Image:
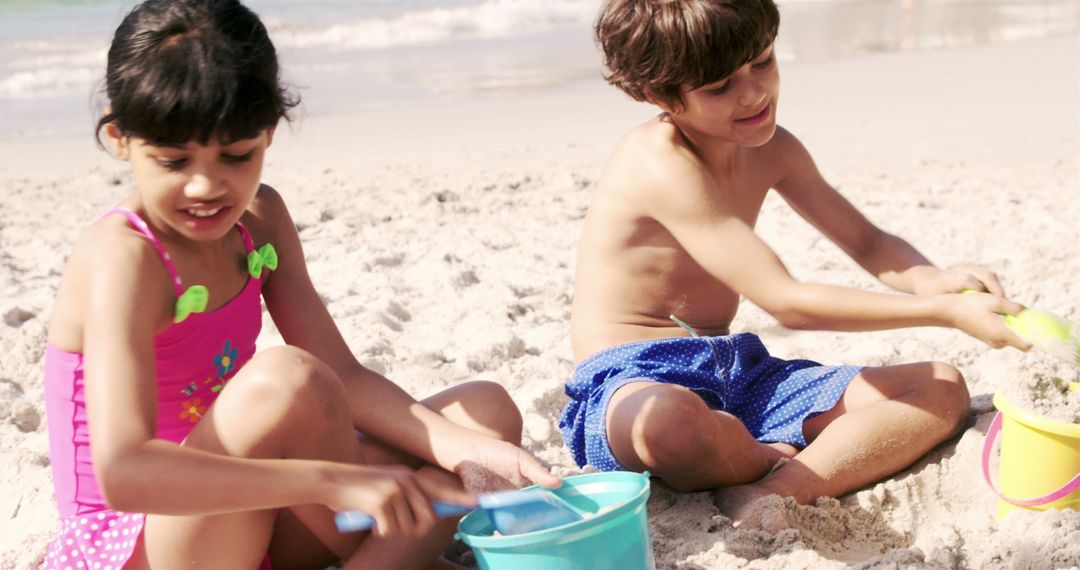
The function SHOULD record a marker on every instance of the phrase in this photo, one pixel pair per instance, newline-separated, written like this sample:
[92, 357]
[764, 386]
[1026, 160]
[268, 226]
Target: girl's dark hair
[183, 70]
[653, 48]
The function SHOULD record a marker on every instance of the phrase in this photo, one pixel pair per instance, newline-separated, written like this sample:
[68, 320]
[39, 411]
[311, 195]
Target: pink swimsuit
[193, 360]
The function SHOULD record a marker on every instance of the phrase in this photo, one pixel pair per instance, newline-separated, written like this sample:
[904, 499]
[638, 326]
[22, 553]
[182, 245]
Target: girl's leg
[482, 406]
[285, 403]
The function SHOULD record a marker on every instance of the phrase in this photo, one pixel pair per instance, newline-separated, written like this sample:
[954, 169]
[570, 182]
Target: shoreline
[589, 116]
[49, 84]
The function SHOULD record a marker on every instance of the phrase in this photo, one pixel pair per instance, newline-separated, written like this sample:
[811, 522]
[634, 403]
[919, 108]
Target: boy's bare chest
[742, 200]
[740, 192]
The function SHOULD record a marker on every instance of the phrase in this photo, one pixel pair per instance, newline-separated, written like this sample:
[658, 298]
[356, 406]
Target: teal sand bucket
[613, 535]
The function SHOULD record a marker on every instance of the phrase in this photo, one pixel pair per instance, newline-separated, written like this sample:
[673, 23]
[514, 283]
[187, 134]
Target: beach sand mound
[440, 275]
[470, 278]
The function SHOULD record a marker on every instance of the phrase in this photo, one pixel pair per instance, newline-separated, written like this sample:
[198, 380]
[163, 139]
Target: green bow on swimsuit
[192, 301]
[195, 298]
[265, 256]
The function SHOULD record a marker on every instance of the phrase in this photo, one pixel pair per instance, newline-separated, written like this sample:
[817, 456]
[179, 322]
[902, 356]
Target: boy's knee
[951, 384]
[949, 393]
[672, 430]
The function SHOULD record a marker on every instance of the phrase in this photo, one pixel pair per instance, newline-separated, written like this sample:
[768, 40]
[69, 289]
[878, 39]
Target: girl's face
[740, 108]
[192, 190]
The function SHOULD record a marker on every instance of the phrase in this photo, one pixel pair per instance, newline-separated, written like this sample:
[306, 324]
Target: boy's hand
[497, 465]
[981, 315]
[958, 278]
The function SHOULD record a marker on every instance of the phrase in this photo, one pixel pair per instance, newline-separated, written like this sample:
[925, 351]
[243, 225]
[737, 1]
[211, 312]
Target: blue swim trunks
[734, 373]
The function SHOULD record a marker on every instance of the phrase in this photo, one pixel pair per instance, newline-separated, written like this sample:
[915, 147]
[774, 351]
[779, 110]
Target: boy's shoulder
[784, 149]
[656, 156]
[656, 143]
[652, 156]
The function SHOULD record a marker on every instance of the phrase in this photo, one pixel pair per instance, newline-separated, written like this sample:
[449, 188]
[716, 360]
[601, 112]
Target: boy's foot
[786, 449]
[749, 506]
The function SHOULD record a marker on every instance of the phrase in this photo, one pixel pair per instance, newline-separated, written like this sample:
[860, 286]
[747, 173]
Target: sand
[442, 238]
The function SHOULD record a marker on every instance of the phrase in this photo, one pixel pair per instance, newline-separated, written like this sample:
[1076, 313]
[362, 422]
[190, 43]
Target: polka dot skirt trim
[95, 541]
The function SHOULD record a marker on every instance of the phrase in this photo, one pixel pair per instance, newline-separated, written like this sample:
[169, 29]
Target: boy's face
[740, 108]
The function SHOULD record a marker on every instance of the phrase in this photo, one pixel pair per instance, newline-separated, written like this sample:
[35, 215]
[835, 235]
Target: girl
[173, 444]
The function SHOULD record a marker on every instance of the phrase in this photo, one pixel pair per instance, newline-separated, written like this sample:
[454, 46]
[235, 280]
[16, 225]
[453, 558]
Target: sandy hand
[500, 466]
[751, 508]
[981, 315]
[958, 278]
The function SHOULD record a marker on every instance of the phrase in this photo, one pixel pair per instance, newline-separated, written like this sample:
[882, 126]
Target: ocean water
[341, 55]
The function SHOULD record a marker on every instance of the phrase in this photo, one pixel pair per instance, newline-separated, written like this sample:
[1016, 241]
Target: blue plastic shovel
[511, 512]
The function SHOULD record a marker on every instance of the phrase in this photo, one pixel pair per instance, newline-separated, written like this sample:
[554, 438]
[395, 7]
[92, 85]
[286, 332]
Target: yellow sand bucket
[1040, 460]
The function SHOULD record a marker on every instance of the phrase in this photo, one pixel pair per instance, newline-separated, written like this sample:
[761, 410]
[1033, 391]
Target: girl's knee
[291, 377]
[490, 406]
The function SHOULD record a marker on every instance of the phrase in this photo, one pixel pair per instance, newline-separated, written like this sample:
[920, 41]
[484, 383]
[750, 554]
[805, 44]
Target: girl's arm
[139, 473]
[890, 258]
[380, 408]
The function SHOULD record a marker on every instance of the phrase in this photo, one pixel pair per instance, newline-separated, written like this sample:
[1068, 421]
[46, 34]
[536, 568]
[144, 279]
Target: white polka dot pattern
[103, 541]
[733, 373]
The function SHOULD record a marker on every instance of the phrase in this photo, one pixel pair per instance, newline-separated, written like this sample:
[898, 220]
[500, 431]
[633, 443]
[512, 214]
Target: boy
[670, 233]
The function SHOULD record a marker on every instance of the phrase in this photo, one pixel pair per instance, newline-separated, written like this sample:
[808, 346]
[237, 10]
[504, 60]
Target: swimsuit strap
[249, 244]
[194, 299]
[160, 247]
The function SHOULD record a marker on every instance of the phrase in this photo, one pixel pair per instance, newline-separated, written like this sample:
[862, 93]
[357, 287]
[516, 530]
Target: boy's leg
[669, 431]
[887, 419]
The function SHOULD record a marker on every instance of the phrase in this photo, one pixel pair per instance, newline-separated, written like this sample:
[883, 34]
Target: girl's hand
[390, 494]
[958, 278]
[441, 485]
[496, 465]
[981, 315]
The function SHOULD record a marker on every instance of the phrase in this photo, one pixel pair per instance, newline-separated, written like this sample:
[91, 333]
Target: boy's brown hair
[652, 48]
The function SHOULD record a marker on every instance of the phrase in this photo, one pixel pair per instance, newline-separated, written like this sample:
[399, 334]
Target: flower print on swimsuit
[226, 360]
[191, 410]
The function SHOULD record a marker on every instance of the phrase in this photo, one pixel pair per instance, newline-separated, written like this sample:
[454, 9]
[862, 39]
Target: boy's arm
[729, 250]
[380, 408]
[888, 257]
